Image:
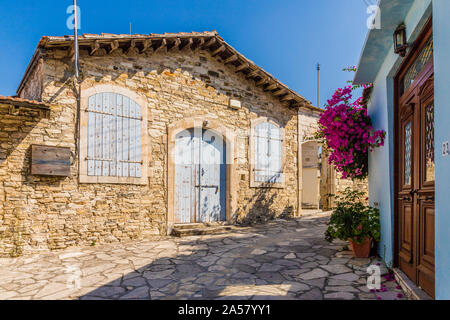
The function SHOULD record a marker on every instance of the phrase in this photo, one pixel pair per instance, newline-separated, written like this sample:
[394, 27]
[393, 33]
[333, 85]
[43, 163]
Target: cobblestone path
[284, 259]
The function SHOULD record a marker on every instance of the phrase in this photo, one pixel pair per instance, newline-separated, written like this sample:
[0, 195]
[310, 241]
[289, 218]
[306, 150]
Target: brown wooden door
[415, 164]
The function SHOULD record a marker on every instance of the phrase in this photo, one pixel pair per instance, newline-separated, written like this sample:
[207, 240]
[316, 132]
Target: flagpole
[318, 85]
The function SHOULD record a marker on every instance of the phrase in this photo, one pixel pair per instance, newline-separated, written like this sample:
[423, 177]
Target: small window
[114, 136]
[268, 145]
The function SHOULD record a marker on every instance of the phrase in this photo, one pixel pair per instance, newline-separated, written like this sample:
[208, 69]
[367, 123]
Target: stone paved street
[279, 260]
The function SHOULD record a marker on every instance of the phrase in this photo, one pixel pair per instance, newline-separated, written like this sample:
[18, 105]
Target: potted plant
[354, 221]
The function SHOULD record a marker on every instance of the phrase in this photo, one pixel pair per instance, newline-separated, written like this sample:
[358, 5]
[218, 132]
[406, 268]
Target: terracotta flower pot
[361, 250]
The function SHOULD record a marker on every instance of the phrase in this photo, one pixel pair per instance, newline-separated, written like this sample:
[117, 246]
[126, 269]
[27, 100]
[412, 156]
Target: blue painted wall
[380, 162]
[441, 32]
[381, 111]
[380, 108]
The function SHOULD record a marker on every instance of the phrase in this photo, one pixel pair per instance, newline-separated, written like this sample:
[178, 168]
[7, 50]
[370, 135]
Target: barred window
[114, 136]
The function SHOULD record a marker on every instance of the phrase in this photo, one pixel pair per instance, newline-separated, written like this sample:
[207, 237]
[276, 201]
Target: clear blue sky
[285, 37]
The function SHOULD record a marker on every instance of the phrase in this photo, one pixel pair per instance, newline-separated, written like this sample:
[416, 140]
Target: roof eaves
[297, 100]
[19, 102]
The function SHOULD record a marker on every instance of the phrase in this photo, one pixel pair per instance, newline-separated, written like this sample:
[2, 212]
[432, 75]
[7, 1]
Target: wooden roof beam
[218, 50]
[262, 82]
[200, 44]
[176, 45]
[279, 92]
[271, 87]
[162, 46]
[132, 45]
[114, 45]
[71, 51]
[242, 67]
[233, 58]
[209, 43]
[188, 44]
[94, 47]
[252, 74]
[287, 97]
[146, 45]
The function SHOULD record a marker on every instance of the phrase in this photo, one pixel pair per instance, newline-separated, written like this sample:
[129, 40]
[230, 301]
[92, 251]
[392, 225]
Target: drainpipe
[75, 12]
[76, 83]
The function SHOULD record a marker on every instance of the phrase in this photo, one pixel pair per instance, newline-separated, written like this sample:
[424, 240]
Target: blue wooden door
[200, 177]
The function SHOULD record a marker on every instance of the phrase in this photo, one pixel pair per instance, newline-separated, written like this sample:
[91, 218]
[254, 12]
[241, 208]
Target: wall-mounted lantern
[400, 44]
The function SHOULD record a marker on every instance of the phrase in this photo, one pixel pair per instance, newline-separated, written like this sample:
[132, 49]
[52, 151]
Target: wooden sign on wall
[50, 161]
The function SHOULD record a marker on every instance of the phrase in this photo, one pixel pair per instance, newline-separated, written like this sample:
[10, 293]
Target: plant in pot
[354, 221]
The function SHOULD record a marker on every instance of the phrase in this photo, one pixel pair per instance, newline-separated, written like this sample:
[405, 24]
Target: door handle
[200, 186]
[427, 198]
[406, 198]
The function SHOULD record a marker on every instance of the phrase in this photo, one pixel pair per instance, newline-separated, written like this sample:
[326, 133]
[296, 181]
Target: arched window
[114, 146]
[268, 153]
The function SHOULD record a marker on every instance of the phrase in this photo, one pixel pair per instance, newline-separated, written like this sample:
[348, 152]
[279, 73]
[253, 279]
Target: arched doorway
[310, 194]
[200, 176]
[202, 124]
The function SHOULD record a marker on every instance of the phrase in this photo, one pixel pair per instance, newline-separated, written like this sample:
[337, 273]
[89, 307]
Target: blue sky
[285, 37]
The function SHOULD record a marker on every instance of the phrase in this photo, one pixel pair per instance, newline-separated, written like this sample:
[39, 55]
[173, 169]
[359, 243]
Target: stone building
[159, 130]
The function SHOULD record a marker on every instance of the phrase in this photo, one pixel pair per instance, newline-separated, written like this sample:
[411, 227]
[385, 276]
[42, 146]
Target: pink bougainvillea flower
[400, 295]
[348, 134]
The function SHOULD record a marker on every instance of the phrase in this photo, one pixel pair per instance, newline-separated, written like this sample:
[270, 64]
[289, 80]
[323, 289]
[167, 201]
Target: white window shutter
[114, 136]
[91, 137]
[268, 153]
[126, 137]
[275, 160]
[261, 154]
[119, 138]
[138, 153]
[132, 146]
[106, 135]
[98, 134]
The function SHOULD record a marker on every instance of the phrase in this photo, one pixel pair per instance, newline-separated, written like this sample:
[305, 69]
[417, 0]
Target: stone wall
[52, 213]
[333, 183]
[343, 184]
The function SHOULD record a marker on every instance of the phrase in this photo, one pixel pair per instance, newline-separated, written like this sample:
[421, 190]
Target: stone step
[202, 230]
[189, 226]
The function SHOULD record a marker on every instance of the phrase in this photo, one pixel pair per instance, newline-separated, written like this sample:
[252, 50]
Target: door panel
[200, 177]
[407, 217]
[212, 177]
[184, 177]
[426, 191]
[407, 231]
[426, 257]
[415, 172]
[415, 195]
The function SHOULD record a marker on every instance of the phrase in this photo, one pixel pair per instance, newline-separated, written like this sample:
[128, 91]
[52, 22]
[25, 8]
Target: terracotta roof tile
[23, 102]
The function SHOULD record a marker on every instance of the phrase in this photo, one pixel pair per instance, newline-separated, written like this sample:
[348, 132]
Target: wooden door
[415, 166]
[200, 177]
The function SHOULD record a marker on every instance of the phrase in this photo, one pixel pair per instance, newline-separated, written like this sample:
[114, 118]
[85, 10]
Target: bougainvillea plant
[346, 131]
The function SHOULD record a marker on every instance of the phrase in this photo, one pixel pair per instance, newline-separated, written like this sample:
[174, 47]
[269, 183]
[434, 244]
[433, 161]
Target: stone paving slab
[283, 259]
